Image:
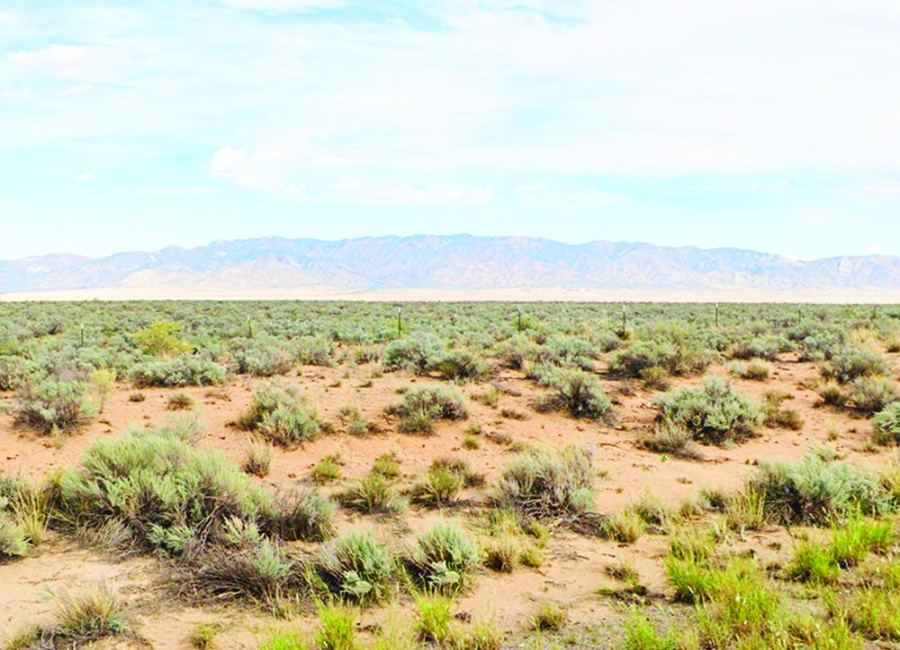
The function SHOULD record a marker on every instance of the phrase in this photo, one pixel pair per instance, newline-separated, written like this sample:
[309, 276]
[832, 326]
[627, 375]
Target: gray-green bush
[713, 412]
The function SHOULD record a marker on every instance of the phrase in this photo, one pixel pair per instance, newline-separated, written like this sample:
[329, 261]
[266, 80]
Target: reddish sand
[574, 568]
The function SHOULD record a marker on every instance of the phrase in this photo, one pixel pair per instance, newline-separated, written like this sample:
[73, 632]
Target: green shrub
[171, 497]
[181, 371]
[356, 567]
[887, 425]
[159, 339]
[373, 494]
[813, 563]
[417, 354]
[262, 357]
[461, 365]
[872, 394]
[326, 470]
[439, 487]
[53, 405]
[713, 412]
[314, 351]
[12, 372]
[578, 393]
[813, 491]
[257, 569]
[424, 404]
[337, 627]
[443, 559]
[851, 362]
[677, 355]
[549, 486]
[13, 542]
[656, 378]
[179, 402]
[300, 515]
[281, 416]
[388, 465]
[434, 618]
[759, 348]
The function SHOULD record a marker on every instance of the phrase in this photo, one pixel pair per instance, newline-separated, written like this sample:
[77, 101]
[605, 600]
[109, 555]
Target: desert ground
[576, 571]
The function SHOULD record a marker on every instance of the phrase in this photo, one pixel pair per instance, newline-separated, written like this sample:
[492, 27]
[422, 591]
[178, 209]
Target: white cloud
[83, 178]
[61, 60]
[355, 192]
[284, 5]
[489, 93]
[177, 191]
[334, 159]
[265, 169]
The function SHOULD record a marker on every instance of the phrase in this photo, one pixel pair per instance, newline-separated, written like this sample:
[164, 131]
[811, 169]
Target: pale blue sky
[137, 125]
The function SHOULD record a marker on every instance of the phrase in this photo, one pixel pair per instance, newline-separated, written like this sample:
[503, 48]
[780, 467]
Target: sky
[136, 125]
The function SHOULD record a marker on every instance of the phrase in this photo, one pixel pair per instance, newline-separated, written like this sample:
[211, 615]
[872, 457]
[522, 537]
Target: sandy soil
[574, 570]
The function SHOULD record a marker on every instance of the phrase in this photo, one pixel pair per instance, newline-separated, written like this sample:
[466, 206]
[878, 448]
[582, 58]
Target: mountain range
[452, 267]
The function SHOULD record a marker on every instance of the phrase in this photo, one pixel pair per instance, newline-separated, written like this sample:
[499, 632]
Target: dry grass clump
[544, 485]
[670, 438]
[81, 620]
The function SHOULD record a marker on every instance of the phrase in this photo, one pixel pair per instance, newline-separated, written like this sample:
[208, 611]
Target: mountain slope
[460, 263]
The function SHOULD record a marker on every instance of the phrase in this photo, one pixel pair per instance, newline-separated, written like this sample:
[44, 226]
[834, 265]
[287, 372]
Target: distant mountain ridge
[460, 264]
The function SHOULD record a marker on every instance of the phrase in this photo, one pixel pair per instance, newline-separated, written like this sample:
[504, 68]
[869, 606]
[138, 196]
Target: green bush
[887, 425]
[314, 351]
[281, 416]
[373, 494]
[439, 487]
[814, 491]
[759, 347]
[872, 394]
[171, 497]
[443, 558]
[461, 365]
[678, 357]
[262, 357]
[300, 515]
[256, 569]
[578, 393]
[356, 567]
[422, 405]
[851, 362]
[550, 486]
[12, 372]
[13, 541]
[181, 371]
[53, 405]
[417, 354]
[713, 412]
[159, 339]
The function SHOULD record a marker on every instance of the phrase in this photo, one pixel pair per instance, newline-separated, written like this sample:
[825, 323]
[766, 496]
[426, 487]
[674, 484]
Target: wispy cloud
[177, 191]
[557, 104]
